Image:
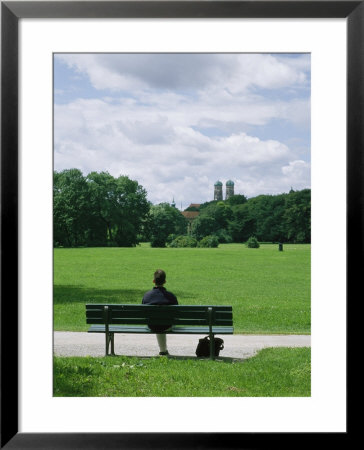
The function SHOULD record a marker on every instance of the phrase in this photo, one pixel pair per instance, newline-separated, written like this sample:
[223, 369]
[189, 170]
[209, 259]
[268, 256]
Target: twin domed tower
[218, 190]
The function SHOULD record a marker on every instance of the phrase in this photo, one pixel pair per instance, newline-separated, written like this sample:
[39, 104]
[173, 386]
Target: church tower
[218, 191]
[229, 189]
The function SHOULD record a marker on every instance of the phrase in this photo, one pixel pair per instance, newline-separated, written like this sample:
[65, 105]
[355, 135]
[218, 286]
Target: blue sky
[177, 123]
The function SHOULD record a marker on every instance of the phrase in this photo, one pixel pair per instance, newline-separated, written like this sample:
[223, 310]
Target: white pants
[162, 342]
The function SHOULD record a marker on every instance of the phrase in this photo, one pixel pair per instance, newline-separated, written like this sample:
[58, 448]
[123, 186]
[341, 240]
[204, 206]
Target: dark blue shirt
[159, 296]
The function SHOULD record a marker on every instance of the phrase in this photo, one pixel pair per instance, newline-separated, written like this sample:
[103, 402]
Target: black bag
[203, 347]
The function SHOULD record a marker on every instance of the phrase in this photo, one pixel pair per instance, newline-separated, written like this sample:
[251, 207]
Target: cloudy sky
[177, 123]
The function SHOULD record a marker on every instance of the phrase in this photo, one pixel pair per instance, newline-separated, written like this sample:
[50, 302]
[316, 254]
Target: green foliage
[252, 242]
[223, 236]
[202, 226]
[273, 372]
[213, 219]
[236, 199]
[165, 220]
[274, 218]
[183, 241]
[97, 210]
[100, 210]
[271, 218]
[297, 215]
[189, 241]
[269, 290]
[170, 239]
[204, 205]
[157, 241]
[209, 241]
[71, 212]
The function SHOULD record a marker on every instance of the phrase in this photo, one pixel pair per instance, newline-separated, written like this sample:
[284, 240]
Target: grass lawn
[269, 290]
[273, 372]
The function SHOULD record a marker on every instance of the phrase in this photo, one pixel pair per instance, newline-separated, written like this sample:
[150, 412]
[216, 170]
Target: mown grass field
[269, 290]
[273, 372]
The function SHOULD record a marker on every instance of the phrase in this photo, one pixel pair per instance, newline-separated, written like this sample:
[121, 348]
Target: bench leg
[211, 334]
[112, 344]
[106, 343]
[109, 339]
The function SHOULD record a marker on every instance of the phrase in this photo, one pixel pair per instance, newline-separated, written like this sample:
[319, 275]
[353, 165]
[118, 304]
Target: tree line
[97, 210]
[269, 218]
[100, 210]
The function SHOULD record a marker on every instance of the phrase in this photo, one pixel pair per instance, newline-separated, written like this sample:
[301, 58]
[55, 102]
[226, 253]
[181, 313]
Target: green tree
[213, 219]
[268, 211]
[243, 223]
[131, 211]
[103, 188]
[165, 220]
[120, 204]
[237, 199]
[202, 226]
[298, 216]
[273, 218]
[71, 211]
[97, 210]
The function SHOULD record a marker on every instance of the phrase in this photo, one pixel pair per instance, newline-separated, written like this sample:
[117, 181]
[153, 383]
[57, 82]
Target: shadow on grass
[66, 294]
[223, 359]
[63, 294]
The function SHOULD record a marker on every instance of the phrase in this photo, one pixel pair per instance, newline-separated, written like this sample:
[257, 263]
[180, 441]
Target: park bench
[185, 319]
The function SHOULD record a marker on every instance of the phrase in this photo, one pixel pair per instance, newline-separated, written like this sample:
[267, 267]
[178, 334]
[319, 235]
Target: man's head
[159, 277]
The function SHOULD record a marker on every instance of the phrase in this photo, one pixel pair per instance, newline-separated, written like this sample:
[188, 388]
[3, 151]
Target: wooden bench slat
[157, 313]
[201, 330]
[121, 314]
[145, 329]
[120, 329]
[161, 321]
[116, 306]
[145, 320]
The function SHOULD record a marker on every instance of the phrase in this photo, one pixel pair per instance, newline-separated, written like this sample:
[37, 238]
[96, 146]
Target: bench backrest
[159, 314]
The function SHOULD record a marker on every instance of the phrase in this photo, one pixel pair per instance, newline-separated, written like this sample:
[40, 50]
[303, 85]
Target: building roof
[229, 183]
[218, 183]
[190, 214]
[195, 205]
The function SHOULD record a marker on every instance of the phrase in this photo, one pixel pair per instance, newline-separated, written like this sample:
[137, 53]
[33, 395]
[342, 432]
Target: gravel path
[236, 346]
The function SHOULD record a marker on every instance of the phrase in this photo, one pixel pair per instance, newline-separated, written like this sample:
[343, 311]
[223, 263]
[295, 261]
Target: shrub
[170, 239]
[209, 241]
[157, 241]
[252, 242]
[223, 236]
[183, 241]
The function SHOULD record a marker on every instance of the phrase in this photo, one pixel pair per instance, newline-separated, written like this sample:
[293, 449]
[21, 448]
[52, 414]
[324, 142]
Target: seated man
[160, 296]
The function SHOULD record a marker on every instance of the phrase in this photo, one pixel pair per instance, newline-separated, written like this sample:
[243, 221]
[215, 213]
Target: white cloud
[238, 72]
[93, 136]
[159, 133]
[297, 174]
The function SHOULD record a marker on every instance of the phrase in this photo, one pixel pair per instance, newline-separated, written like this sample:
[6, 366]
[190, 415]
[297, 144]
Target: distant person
[160, 296]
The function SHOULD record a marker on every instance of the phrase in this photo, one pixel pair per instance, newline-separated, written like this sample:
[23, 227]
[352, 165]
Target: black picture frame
[11, 12]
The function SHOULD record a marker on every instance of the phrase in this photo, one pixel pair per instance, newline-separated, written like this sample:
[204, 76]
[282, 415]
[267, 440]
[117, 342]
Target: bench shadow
[63, 294]
[224, 359]
[66, 294]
